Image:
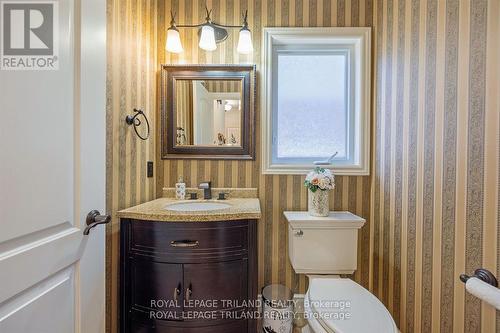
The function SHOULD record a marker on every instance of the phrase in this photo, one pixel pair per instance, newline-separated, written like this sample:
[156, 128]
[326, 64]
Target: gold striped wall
[432, 202]
[225, 86]
[436, 164]
[184, 109]
[131, 83]
[276, 193]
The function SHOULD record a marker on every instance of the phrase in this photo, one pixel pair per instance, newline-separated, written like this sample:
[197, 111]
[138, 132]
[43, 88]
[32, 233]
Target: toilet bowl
[341, 305]
[328, 246]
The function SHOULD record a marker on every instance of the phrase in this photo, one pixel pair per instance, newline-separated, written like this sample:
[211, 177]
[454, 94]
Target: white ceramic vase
[318, 203]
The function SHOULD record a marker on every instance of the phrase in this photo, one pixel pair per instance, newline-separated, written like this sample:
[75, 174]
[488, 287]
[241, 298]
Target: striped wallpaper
[436, 164]
[224, 86]
[184, 111]
[131, 83]
[432, 202]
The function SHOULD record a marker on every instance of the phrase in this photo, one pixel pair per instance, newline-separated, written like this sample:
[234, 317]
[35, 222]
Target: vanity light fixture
[207, 38]
[210, 34]
[245, 41]
[173, 38]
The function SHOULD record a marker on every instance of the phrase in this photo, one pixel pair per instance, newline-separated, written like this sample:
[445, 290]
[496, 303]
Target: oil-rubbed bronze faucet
[207, 189]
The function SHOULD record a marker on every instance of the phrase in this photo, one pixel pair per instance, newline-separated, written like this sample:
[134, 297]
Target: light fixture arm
[208, 20]
[172, 19]
[245, 21]
[211, 23]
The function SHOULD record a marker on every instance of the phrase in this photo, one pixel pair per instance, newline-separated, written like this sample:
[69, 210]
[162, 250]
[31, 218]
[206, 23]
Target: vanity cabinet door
[156, 287]
[218, 274]
[215, 287]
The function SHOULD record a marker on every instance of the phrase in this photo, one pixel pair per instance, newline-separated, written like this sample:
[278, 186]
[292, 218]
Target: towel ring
[133, 120]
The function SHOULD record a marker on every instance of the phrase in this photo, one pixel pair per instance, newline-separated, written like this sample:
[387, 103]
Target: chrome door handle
[95, 218]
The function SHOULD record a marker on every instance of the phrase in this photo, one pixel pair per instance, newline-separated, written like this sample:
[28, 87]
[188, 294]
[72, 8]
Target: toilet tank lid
[335, 220]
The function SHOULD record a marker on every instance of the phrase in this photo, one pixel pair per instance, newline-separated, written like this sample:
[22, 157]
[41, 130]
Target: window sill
[350, 170]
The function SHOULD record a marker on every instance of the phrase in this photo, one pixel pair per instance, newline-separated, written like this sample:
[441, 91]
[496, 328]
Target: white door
[52, 171]
[202, 115]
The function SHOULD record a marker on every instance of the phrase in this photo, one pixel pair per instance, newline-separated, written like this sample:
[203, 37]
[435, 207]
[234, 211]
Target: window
[316, 99]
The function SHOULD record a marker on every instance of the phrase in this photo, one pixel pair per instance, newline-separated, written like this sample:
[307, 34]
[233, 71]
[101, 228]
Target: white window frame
[359, 41]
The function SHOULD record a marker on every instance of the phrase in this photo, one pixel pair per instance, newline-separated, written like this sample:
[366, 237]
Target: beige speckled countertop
[241, 208]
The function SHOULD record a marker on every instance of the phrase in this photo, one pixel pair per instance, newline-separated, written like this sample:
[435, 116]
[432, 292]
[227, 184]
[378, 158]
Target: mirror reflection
[208, 112]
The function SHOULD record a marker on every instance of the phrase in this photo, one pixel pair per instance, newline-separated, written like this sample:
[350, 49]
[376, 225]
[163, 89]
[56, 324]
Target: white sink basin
[197, 206]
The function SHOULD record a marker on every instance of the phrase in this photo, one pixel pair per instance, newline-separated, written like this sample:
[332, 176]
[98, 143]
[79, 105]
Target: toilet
[323, 248]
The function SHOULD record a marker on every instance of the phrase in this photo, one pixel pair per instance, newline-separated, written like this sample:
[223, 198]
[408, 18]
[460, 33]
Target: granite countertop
[241, 208]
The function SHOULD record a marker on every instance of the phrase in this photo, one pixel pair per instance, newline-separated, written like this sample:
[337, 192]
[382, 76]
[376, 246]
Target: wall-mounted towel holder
[136, 122]
[483, 275]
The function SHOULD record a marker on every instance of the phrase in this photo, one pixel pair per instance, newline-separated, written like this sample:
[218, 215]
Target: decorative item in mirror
[319, 182]
[181, 136]
[208, 111]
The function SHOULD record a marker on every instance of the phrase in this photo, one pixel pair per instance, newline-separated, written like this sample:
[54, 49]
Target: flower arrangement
[320, 179]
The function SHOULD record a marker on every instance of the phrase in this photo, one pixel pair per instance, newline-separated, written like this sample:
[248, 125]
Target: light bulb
[207, 38]
[173, 41]
[245, 42]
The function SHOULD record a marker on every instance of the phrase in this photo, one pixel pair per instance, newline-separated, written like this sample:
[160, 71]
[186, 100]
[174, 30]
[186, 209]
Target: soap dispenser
[180, 189]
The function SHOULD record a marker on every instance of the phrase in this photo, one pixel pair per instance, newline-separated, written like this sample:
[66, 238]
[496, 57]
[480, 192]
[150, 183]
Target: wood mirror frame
[170, 73]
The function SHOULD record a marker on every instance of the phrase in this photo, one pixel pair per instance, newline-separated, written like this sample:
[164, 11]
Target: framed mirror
[208, 112]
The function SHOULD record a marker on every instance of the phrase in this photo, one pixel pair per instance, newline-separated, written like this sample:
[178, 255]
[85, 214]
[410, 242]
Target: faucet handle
[222, 195]
[205, 185]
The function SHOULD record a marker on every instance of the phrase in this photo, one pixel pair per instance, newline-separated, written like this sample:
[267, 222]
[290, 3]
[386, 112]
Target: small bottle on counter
[180, 189]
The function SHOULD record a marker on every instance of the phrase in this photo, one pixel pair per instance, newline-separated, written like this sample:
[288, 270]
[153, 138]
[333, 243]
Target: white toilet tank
[323, 245]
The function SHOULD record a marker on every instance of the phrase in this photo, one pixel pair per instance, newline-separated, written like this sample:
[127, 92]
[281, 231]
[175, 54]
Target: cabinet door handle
[188, 293]
[184, 243]
[177, 292]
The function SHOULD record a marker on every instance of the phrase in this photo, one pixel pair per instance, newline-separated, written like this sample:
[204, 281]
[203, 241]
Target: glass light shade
[174, 41]
[207, 38]
[245, 42]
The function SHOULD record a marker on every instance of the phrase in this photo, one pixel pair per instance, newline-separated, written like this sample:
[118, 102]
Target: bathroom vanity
[189, 271]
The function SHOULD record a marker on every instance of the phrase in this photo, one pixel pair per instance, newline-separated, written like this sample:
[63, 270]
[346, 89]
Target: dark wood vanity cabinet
[186, 277]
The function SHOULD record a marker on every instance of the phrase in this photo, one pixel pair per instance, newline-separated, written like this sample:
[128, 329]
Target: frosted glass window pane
[311, 106]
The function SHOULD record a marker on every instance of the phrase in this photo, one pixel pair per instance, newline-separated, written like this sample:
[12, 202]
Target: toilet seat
[336, 305]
